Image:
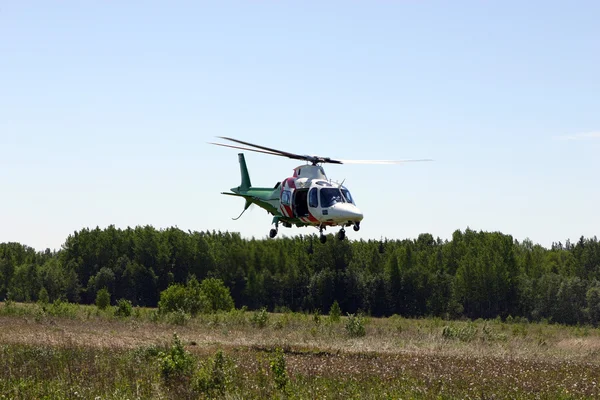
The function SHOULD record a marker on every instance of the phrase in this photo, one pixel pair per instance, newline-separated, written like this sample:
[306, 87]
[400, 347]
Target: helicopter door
[300, 203]
[286, 203]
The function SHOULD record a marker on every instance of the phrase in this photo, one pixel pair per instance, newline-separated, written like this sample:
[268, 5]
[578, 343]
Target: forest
[473, 275]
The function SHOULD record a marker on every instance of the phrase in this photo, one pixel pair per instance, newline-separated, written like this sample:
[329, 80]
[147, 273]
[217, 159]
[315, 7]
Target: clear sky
[106, 108]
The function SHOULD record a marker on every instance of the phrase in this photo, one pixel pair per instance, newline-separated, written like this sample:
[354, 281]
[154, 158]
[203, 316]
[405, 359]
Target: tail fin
[246, 184]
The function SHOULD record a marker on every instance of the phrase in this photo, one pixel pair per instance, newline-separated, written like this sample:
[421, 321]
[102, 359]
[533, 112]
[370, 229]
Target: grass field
[66, 351]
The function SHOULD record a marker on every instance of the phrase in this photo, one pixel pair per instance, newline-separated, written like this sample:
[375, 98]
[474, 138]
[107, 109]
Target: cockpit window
[347, 195]
[330, 196]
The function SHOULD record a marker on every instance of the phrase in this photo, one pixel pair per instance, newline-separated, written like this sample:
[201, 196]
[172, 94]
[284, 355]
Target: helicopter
[308, 198]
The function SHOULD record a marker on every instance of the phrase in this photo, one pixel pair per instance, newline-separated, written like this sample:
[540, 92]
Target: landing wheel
[322, 238]
[356, 227]
[272, 233]
[341, 234]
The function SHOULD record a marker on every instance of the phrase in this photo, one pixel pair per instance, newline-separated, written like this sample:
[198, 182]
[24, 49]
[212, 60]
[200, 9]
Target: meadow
[69, 351]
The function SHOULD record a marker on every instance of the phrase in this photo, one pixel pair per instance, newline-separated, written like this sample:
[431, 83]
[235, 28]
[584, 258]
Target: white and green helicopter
[308, 198]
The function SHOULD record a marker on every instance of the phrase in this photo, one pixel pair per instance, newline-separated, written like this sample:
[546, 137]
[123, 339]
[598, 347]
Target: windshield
[347, 195]
[330, 196]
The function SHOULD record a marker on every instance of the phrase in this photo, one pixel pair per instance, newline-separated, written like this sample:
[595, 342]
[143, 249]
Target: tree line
[472, 275]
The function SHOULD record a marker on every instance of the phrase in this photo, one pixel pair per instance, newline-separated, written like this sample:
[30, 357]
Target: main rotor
[314, 160]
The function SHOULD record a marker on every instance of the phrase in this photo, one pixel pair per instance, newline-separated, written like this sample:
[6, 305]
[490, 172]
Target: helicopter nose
[357, 215]
[348, 212]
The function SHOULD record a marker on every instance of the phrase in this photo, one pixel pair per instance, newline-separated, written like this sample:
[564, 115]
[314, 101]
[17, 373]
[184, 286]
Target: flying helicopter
[307, 198]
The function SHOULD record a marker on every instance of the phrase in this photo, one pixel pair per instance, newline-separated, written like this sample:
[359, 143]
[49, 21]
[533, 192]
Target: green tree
[102, 299]
[123, 308]
[215, 296]
[335, 312]
[6, 274]
[593, 303]
[43, 297]
[173, 298]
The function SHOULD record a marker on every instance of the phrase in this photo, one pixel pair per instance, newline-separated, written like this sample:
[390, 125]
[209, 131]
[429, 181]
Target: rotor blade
[382, 162]
[313, 159]
[245, 148]
[272, 151]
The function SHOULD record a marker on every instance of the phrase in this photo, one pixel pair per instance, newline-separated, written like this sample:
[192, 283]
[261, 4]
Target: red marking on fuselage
[312, 218]
[290, 183]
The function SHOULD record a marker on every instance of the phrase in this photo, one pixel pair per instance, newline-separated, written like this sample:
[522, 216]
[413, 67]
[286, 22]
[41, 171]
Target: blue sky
[106, 109]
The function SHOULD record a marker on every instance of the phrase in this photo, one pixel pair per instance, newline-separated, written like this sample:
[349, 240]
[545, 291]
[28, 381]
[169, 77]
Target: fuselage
[308, 198]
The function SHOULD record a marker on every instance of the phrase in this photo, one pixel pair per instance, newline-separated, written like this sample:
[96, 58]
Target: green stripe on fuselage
[266, 198]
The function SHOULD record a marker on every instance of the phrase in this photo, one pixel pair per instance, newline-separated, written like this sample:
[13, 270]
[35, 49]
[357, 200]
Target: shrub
[214, 376]
[193, 296]
[355, 325]
[335, 312]
[209, 296]
[215, 296]
[178, 317]
[237, 317]
[61, 308]
[154, 316]
[282, 310]
[102, 299]
[260, 318]
[176, 364]
[172, 299]
[465, 334]
[317, 316]
[43, 297]
[123, 308]
[279, 370]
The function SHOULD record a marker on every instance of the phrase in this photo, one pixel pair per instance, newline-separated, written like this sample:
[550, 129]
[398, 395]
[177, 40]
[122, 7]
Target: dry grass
[428, 358]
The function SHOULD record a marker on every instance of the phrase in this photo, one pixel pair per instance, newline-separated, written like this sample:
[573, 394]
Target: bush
[355, 325]
[176, 364]
[43, 297]
[215, 296]
[123, 308]
[260, 318]
[279, 370]
[465, 334]
[237, 317]
[193, 296]
[317, 316]
[102, 299]
[178, 317]
[214, 376]
[209, 296]
[172, 299]
[335, 312]
[61, 308]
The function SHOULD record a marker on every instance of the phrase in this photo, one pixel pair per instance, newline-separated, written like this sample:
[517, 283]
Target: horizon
[265, 237]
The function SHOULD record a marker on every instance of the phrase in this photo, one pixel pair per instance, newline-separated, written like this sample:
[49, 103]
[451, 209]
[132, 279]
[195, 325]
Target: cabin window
[313, 197]
[285, 197]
